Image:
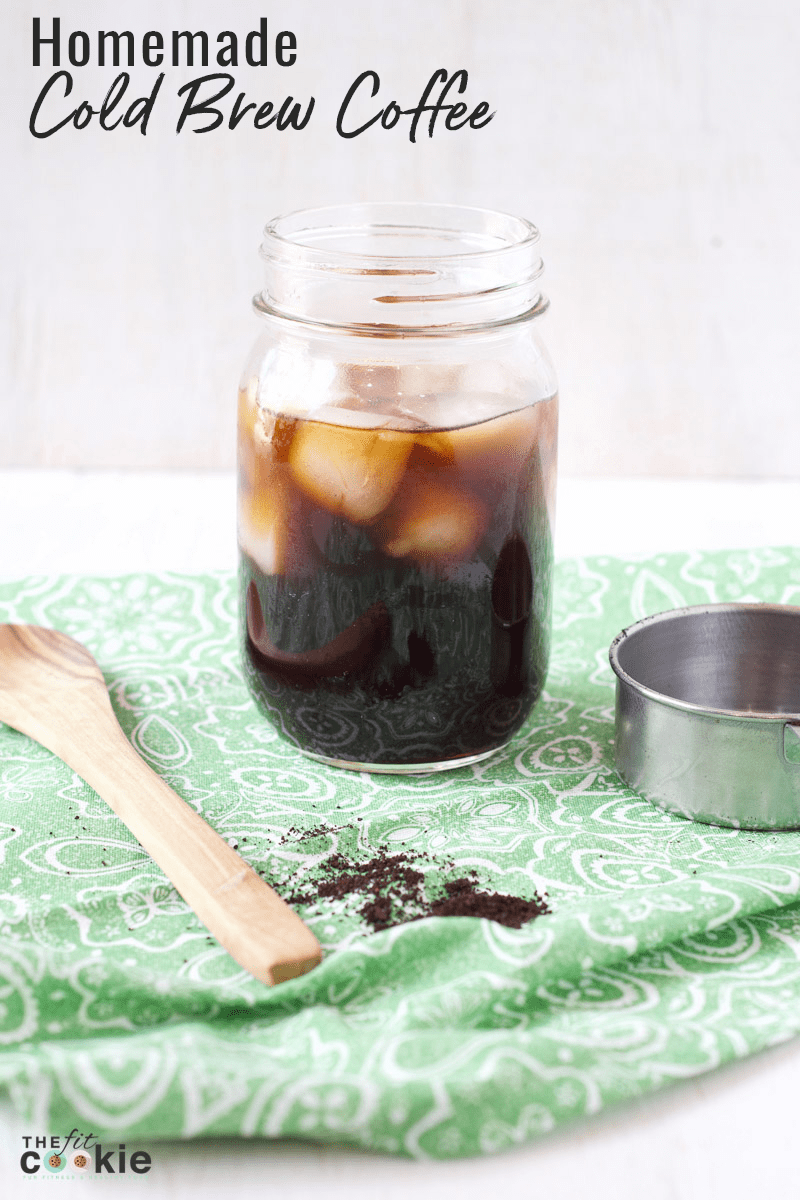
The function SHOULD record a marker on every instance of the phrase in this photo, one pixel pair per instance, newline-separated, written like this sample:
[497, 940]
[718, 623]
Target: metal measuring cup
[708, 712]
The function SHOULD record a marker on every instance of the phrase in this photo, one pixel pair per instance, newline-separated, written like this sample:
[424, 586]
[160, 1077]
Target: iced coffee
[397, 459]
[396, 573]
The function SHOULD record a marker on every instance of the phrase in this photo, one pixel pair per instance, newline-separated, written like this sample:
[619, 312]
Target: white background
[654, 143]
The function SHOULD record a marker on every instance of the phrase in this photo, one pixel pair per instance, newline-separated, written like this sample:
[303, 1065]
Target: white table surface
[730, 1135]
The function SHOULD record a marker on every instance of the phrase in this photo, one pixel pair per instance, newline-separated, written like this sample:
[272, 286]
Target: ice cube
[264, 440]
[352, 417]
[248, 407]
[548, 431]
[265, 523]
[273, 435]
[248, 413]
[488, 447]
[451, 408]
[370, 384]
[349, 472]
[432, 522]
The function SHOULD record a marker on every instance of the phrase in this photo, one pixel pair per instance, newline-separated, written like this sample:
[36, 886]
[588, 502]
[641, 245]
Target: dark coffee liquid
[395, 592]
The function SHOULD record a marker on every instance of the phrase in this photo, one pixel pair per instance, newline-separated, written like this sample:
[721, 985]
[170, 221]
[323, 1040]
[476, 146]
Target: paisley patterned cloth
[671, 948]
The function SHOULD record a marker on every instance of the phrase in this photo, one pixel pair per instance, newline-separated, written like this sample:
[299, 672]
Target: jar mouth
[412, 236]
[401, 267]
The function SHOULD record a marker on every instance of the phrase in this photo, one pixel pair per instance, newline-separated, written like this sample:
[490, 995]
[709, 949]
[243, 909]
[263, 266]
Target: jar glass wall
[397, 459]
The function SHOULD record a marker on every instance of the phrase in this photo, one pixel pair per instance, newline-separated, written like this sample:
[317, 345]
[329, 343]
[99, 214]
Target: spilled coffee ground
[398, 887]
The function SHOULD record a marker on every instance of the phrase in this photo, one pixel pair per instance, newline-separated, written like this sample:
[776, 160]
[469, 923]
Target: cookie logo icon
[80, 1161]
[55, 1163]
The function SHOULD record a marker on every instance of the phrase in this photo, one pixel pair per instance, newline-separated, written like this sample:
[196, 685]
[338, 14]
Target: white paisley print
[670, 949]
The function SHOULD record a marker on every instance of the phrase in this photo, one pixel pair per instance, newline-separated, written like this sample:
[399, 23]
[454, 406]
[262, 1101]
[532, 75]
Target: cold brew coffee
[395, 574]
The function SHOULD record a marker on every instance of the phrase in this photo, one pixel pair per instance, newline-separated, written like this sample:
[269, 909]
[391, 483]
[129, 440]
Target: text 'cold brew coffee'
[397, 459]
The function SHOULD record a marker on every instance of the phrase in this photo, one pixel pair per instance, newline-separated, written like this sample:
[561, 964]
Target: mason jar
[397, 464]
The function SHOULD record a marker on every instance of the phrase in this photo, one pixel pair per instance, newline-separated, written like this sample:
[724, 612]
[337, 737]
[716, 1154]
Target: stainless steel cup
[708, 712]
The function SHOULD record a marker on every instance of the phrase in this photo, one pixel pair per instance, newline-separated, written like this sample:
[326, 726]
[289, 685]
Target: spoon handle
[52, 690]
[257, 928]
[247, 918]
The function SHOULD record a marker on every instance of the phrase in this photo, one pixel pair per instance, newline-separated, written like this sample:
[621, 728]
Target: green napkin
[671, 947]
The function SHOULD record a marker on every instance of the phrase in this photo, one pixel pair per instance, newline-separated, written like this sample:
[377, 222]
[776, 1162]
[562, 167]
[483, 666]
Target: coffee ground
[396, 888]
[463, 899]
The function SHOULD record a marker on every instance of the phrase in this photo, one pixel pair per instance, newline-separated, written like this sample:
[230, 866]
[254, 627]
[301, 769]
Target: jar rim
[394, 269]
[284, 234]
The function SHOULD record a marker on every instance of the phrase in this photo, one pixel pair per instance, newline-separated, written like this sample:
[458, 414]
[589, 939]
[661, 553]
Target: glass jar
[397, 461]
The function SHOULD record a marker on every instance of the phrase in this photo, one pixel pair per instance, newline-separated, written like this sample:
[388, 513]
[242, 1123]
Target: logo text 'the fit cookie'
[80, 1152]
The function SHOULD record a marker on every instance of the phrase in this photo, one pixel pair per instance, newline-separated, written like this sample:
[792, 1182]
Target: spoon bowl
[52, 689]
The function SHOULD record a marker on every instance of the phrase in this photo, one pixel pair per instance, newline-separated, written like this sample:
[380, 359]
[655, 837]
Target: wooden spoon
[52, 690]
